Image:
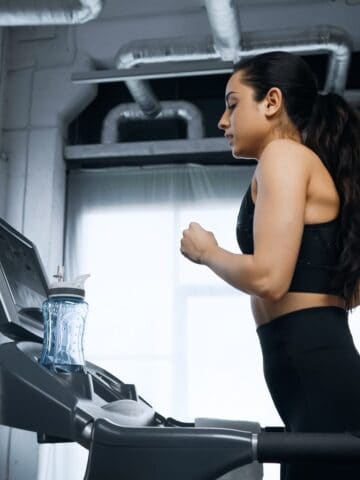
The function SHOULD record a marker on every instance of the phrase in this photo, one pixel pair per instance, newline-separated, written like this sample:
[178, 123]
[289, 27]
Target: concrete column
[40, 104]
[43, 102]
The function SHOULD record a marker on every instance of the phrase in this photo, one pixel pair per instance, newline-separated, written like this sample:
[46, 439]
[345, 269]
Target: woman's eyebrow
[227, 96]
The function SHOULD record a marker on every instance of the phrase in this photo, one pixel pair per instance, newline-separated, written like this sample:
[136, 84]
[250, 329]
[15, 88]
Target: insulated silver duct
[226, 29]
[225, 26]
[327, 39]
[154, 51]
[44, 12]
[340, 46]
[145, 97]
[324, 38]
[228, 44]
[131, 111]
[158, 50]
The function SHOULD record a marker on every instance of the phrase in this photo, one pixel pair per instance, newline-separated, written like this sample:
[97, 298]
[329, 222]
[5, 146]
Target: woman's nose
[223, 123]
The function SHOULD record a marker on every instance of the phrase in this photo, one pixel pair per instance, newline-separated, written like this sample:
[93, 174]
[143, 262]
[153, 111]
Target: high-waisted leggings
[312, 370]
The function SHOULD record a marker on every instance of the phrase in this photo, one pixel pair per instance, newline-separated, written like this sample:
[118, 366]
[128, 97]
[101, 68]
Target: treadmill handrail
[279, 447]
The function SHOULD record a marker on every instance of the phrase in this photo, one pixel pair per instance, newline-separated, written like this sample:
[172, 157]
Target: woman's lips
[229, 138]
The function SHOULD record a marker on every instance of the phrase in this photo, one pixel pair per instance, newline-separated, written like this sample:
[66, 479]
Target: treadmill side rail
[156, 453]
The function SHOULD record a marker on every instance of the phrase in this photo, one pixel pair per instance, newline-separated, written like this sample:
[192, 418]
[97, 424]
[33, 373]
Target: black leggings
[312, 370]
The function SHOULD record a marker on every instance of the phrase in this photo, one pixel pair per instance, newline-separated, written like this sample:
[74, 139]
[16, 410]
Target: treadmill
[126, 438]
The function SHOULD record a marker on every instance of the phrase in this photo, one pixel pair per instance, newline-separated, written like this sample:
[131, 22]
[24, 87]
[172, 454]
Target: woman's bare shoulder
[285, 146]
[284, 158]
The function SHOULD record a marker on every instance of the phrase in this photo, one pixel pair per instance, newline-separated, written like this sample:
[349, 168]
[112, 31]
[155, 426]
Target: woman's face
[244, 123]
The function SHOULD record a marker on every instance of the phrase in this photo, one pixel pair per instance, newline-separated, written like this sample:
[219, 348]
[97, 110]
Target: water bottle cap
[66, 291]
[74, 288]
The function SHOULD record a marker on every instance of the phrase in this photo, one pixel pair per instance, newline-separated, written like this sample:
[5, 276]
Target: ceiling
[254, 15]
[206, 93]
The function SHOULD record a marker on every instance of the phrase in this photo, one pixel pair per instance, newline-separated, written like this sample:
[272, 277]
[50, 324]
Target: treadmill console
[23, 286]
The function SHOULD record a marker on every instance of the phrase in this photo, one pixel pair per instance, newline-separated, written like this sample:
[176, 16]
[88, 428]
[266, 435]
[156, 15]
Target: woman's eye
[231, 107]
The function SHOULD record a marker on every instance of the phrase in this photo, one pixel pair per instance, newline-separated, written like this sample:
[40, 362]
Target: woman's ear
[273, 102]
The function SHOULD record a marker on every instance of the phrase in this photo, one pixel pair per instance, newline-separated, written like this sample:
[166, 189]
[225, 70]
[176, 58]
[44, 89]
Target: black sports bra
[319, 250]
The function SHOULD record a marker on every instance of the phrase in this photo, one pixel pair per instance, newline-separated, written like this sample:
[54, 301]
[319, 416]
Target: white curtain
[184, 337]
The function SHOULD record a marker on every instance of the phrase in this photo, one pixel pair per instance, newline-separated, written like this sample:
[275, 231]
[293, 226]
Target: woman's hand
[197, 243]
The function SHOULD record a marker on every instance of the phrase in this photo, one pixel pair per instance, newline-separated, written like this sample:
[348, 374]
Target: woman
[299, 232]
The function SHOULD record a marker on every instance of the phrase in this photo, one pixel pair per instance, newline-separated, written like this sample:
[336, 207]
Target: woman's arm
[282, 176]
[200, 246]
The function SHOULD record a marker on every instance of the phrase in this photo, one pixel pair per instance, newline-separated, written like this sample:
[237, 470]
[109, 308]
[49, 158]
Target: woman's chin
[236, 152]
[240, 153]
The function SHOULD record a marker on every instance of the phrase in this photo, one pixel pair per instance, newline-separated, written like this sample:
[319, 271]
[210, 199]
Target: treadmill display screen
[22, 270]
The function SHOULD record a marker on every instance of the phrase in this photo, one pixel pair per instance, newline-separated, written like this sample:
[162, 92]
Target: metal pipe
[324, 38]
[157, 50]
[172, 109]
[227, 45]
[319, 39]
[42, 12]
[339, 45]
[225, 26]
[143, 94]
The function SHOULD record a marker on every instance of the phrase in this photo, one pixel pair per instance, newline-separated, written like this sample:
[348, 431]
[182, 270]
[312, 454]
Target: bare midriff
[265, 310]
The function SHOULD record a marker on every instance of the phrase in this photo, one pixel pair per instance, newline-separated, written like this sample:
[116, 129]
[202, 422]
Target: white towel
[252, 471]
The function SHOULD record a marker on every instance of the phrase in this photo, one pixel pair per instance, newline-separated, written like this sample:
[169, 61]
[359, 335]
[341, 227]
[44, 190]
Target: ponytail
[333, 132]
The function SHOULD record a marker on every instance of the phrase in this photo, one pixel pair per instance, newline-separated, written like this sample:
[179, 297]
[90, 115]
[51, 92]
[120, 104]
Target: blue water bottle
[64, 314]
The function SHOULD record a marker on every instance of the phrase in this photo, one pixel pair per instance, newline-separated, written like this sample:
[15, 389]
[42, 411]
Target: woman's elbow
[272, 292]
[270, 284]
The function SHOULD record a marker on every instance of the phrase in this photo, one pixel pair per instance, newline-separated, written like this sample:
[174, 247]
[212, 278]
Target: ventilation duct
[228, 43]
[224, 22]
[322, 39]
[130, 111]
[145, 97]
[226, 29]
[225, 26]
[44, 12]
[158, 51]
